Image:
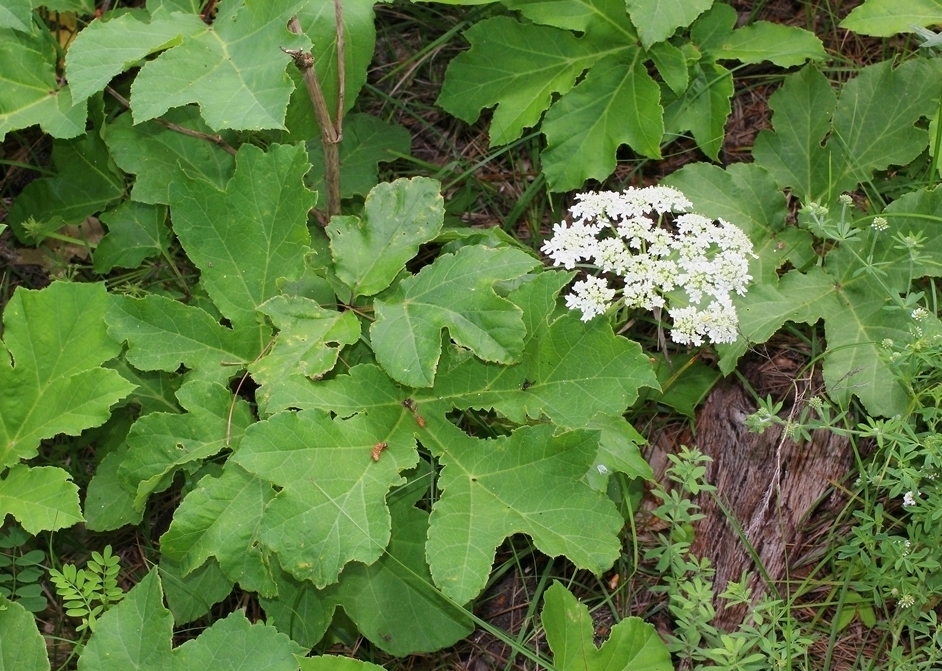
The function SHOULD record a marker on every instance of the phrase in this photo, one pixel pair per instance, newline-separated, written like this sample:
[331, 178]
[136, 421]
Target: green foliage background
[303, 382]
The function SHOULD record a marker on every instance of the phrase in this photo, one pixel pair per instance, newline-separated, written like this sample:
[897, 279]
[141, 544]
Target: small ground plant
[317, 410]
[88, 592]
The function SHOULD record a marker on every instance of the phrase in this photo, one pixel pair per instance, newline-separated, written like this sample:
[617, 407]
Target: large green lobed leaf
[392, 601]
[157, 155]
[370, 250]
[22, 647]
[793, 154]
[51, 380]
[307, 346]
[871, 126]
[330, 508]
[163, 334]
[137, 634]
[221, 518]
[248, 236]
[136, 231]
[31, 93]
[656, 21]
[240, 80]
[632, 643]
[530, 482]
[455, 292]
[785, 46]
[86, 183]
[570, 371]
[617, 103]
[516, 66]
[105, 49]
[161, 443]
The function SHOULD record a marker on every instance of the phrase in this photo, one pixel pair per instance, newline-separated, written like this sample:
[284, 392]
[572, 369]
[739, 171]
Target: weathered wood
[769, 483]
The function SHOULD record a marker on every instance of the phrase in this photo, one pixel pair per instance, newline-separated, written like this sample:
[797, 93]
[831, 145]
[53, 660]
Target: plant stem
[331, 132]
[215, 139]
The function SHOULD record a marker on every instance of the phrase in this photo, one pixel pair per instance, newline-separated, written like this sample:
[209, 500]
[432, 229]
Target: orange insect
[378, 450]
[410, 405]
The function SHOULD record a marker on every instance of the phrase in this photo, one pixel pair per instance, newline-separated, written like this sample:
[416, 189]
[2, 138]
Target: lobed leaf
[704, 107]
[245, 238]
[160, 443]
[31, 94]
[872, 127]
[157, 155]
[455, 292]
[137, 633]
[392, 601]
[85, 184]
[530, 482]
[221, 518]
[163, 334]
[366, 389]
[308, 343]
[51, 381]
[234, 70]
[632, 643]
[23, 647]
[233, 643]
[135, 232]
[330, 508]
[785, 46]
[42, 498]
[107, 48]
[656, 21]
[570, 372]
[616, 103]
[874, 122]
[515, 66]
[671, 64]
[369, 251]
[793, 154]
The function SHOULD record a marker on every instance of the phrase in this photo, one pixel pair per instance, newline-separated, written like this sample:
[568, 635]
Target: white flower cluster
[624, 236]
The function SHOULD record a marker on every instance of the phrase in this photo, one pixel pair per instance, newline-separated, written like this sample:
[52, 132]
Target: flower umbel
[657, 254]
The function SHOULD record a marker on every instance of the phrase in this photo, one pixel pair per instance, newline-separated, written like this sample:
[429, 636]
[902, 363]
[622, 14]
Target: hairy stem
[330, 131]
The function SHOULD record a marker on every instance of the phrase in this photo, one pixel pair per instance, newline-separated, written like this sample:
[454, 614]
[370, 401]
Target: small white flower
[718, 323]
[571, 244]
[621, 234]
[880, 224]
[906, 601]
[919, 314]
[591, 295]
[909, 499]
[845, 199]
